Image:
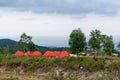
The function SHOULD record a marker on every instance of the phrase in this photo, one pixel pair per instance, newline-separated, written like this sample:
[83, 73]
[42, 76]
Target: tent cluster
[28, 53]
[56, 53]
[46, 54]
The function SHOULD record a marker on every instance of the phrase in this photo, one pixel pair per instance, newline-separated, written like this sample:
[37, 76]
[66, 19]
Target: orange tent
[19, 53]
[28, 53]
[56, 53]
[36, 53]
[48, 53]
[64, 53]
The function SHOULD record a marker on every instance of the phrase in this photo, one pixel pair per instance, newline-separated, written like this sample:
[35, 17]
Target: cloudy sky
[57, 18]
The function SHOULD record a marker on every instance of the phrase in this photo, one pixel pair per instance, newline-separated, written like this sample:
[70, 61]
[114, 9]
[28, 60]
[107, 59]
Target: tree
[95, 40]
[77, 41]
[109, 45]
[31, 46]
[25, 38]
[101, 42]
[25, 43]
[118, 46]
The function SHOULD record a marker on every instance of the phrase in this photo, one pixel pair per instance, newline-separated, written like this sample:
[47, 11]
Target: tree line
[98, 42]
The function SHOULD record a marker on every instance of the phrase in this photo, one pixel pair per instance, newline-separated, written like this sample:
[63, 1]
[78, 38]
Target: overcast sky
[58, 17]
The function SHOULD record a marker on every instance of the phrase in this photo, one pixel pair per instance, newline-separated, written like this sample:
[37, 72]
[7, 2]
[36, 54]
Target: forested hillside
[11, 46]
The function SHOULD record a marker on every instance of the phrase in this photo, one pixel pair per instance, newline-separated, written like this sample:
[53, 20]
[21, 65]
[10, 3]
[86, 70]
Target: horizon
[54, 41]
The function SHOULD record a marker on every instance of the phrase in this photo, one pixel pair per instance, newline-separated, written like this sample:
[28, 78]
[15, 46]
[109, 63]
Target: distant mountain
[9, 43]
[13, 46]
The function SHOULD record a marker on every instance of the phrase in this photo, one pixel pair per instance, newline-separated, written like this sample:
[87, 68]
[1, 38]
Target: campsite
[59, 39]
[77, 62]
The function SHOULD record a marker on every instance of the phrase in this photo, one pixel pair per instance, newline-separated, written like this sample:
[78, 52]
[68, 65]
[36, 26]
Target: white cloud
[105, 7]
[15, 23]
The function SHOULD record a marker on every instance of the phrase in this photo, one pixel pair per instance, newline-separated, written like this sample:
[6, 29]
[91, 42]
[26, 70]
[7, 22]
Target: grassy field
[59, 68]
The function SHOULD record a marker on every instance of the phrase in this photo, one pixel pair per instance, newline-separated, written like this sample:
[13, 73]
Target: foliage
[31, 46]
[108, 45]
[95, 40]
[101, 42]
[118, 46]
[25, 38]
[25, 43]
[77, 41]
[4, 50]
[8, 43]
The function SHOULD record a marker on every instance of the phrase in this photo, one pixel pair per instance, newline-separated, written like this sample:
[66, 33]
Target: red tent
[28, 53]
[19, 53]
[48, 53]
[56, 53]
[36, 53]
[64, 53]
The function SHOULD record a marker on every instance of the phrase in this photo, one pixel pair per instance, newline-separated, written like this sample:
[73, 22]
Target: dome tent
[56, 53]
[48, 53]
[36, 53]
[19, 53]
[64, 53]
[28, 53]
[51, 53]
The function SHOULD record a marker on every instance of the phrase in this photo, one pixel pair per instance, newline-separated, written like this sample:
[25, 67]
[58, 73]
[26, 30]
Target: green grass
[67, 64]
[33, 63]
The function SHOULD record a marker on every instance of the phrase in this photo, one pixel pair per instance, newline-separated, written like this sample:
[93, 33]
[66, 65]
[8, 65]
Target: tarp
[36, 53]
[19, 53]
[64, 53]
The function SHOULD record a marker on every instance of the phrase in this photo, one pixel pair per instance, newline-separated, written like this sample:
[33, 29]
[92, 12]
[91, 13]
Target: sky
[50, 22]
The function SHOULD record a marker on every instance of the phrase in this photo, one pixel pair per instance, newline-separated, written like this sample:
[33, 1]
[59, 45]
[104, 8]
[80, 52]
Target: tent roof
[28, 53]
[19, 53]
[51, 53]
[64, 53]
[36, 53]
